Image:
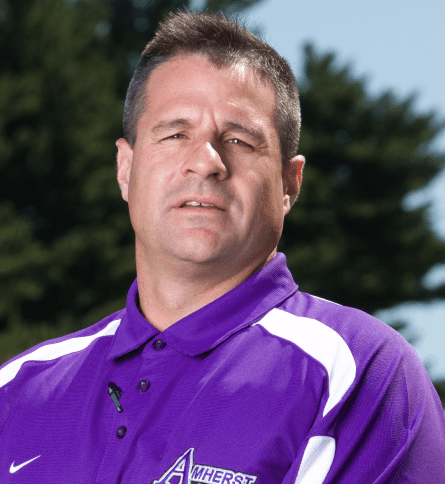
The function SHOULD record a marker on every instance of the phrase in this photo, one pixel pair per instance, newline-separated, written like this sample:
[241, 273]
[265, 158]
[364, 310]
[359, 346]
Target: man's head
[207, 134]
[223, 43]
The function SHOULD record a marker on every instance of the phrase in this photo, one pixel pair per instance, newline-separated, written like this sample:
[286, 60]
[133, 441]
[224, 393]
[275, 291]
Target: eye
[176, 136]
[240, 143]
[237, 141]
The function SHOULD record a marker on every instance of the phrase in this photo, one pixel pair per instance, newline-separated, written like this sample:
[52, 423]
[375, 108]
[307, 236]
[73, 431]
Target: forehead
[192, 80]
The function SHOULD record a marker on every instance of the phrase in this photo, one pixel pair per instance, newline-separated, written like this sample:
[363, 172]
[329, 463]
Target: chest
[208, 420]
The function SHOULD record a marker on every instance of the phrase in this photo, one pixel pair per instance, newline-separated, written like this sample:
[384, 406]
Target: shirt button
[121, 431]
[143, 385]
[159, 344]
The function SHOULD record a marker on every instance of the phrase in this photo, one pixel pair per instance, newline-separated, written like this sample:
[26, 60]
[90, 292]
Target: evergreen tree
[59, 111]
[349, 237]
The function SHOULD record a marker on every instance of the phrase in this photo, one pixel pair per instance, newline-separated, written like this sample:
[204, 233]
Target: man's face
[206, 135]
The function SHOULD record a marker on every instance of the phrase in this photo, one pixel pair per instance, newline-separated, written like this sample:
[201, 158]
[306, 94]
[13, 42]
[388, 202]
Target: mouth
[195, 205]
[203, 204]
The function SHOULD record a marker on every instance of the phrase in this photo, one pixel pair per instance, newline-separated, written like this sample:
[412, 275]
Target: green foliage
[59, 112]
[22, 260]
[349, 238]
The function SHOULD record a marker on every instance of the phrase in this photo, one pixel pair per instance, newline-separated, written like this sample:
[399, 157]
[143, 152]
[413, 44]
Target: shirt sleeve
[388, 429]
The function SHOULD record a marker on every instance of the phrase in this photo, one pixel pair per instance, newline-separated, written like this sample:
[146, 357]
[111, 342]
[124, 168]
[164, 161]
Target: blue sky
[396, 45]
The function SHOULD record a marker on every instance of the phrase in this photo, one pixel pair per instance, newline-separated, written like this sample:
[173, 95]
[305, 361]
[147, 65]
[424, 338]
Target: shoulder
[57, 348]
[322, 326]
[382, 415]
[355, 349]
[359, 331]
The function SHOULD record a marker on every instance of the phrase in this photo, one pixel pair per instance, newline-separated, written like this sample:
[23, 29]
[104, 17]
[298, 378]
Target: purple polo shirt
[264, 385]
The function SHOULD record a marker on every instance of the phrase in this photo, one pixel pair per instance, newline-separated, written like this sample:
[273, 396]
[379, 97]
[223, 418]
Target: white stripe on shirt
[330, 349]
[317, 460]
[319, 341]
[54, 350]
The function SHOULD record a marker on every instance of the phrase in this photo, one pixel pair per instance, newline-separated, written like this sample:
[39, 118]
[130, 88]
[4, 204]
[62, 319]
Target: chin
[200, 252]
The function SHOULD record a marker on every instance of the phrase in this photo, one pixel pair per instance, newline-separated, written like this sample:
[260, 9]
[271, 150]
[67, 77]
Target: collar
[211, 325]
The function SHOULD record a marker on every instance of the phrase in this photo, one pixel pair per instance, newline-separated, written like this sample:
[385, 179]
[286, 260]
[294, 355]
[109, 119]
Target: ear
[292, 179]
[124, 162]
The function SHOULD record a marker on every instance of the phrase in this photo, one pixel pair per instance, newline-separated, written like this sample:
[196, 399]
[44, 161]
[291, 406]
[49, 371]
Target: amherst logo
[201, 474]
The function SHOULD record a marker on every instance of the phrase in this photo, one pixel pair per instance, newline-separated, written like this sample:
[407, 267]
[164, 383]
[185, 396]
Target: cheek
[266, 201]
[146, 178]
[141, 196]
[150, 193]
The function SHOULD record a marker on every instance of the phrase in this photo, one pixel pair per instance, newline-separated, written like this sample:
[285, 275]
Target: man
[218, 370]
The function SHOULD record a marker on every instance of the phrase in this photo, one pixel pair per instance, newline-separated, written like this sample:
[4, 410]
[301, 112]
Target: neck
[170, 291]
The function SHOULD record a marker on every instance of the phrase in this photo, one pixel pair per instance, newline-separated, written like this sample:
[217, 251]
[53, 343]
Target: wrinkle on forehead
[237, 85]
[240, 70]
[240, 73]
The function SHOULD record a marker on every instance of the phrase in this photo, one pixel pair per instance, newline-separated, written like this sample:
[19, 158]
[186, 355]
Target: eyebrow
[256, 134]
[174, 123]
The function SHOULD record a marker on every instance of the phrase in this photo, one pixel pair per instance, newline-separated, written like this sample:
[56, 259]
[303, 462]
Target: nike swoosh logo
[13, 468]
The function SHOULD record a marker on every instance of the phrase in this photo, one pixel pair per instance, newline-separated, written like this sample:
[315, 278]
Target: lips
[218, 204]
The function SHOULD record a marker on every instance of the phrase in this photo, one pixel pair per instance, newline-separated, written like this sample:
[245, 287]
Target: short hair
[223, 42]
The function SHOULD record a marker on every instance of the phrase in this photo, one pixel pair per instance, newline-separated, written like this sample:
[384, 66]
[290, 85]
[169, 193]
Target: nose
[204, 160]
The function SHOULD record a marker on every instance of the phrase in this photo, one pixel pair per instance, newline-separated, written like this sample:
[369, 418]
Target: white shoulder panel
[317, 460]
[319, 341]
[55, 350]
